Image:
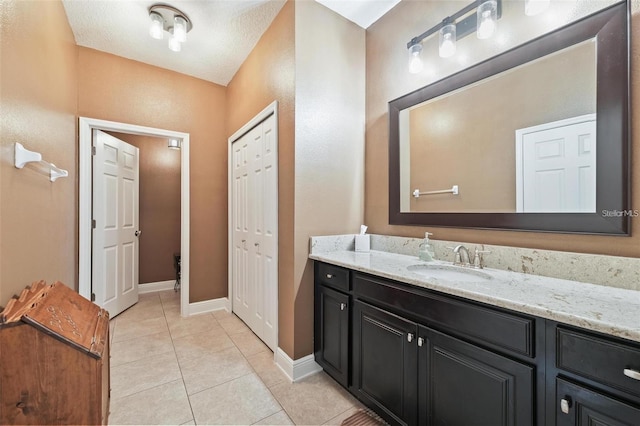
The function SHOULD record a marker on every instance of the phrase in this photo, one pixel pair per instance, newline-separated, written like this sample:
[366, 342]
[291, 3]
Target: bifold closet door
[255, 221]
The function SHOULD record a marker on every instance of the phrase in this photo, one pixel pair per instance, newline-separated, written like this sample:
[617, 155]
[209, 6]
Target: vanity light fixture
[415, 62]
[535, 7]
[487, 19]
[481, 17]
[447, 44]
[175, 22]
[174, 143]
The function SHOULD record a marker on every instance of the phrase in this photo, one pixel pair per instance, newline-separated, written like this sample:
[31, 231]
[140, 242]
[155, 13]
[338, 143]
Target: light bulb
[415, 63]
[447, 41]
[174, 43]
[487, 19]
[180, 28]
[156, 30]
[535, 7]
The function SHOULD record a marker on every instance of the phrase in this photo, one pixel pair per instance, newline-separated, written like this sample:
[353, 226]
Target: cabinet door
[385, 363]
[332, 333]
[577, 406]
[462, 384]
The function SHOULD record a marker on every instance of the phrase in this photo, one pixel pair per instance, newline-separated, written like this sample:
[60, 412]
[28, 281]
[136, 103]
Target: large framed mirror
[534, 139]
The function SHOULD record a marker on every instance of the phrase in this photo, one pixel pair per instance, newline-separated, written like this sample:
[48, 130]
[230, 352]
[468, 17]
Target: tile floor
[208, 369]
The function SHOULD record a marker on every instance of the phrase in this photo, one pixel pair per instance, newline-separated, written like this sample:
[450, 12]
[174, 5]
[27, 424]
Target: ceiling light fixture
[175, 22]
[174, 143]
[157, 23]
[481, 17]
[174, 42]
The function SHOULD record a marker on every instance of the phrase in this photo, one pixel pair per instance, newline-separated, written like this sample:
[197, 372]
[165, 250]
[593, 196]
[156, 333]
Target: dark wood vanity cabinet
[463, 384]
[385, 363]
[578, 405]
[332, 320]
[413, 354]
[595, 379]
[417, 375]
[420, 357]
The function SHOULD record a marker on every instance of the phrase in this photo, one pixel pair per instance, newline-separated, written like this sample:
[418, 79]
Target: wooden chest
[54, 358]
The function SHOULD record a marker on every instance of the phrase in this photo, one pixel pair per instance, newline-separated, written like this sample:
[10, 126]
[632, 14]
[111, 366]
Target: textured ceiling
[224, 31]
[362, 12]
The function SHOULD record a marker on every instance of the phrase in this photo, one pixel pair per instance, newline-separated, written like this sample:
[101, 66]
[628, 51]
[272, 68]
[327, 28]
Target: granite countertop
[599, 308]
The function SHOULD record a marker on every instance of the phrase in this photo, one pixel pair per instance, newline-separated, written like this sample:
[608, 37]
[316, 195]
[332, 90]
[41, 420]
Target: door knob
[565, 404]
[342, 306]
[410, 337]
[138, 233]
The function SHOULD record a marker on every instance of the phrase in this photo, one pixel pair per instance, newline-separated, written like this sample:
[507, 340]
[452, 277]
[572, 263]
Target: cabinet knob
[420, 341]
[410, 337]
[634, 374]
[565, 404]
[329, 276]
[342, 306]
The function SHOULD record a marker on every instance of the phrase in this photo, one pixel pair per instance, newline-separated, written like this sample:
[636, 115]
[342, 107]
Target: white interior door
[255, 221]
[242, 152]
[116, 215]
[557, 167]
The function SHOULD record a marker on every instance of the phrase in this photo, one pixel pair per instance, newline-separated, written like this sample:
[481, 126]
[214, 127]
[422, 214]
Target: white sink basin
[449, 273]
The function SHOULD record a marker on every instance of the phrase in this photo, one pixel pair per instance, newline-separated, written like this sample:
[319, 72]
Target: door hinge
[93, 223]
[93, 150]
[93, 297]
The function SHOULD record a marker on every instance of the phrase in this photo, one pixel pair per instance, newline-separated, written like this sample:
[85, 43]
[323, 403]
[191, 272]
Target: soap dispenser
[425, 251]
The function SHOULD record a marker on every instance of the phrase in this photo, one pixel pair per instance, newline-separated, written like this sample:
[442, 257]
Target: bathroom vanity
[485, 347]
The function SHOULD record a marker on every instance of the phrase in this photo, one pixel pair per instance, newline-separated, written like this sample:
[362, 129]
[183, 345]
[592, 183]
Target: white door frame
[86, 127]
[272, 109]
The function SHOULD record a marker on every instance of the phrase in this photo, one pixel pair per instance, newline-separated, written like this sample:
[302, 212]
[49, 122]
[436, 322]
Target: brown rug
[364, 418]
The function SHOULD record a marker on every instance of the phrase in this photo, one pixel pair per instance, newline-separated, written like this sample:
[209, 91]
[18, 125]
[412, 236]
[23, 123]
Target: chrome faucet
[461, 252]
[464, 259]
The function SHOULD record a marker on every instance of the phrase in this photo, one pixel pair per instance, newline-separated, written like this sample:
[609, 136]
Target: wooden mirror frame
[611, 28]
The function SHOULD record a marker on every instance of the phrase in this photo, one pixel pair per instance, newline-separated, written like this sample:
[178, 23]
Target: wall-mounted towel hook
[24, 156]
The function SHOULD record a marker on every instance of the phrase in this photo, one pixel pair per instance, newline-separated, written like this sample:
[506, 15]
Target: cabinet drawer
[577, 405]
[332, 276]
[479, 323]
[599, 359]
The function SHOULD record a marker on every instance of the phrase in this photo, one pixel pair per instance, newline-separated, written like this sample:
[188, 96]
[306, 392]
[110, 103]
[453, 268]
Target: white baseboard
[297, 369]
[207, 306]
[157, 286]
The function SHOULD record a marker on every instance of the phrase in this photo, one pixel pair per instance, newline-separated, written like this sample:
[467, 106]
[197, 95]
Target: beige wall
[387, 79]
[38, 89]
[119, 89]
[468, 138]
[321, 143]
[329, 153]
[267, 75]
[159, 206]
